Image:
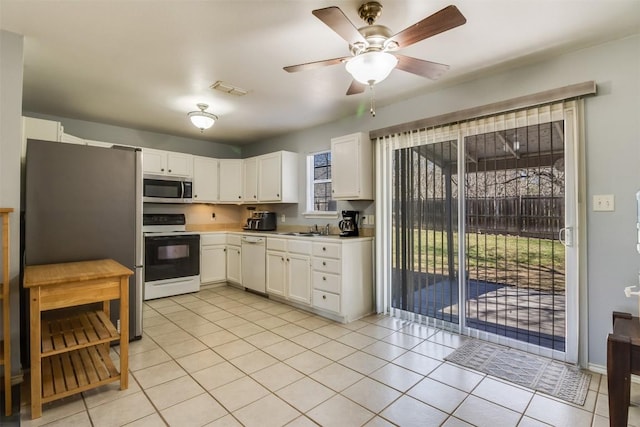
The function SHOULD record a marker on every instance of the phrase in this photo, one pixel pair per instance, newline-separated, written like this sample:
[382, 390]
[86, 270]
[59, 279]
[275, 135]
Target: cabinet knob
[169, 170]
[239, 197]
[324, 297]
[195, 196]
[287, 259]
[277, 195]
[324, 278]
[282, 258]
[324, 263]
[225, 250]
[324, 249]
[161, 169]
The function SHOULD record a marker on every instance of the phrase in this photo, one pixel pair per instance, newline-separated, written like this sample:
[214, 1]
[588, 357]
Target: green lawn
[518, 261]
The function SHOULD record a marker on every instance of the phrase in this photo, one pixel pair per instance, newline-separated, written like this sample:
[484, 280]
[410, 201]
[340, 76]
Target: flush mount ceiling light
[371, 67]
[202, 119]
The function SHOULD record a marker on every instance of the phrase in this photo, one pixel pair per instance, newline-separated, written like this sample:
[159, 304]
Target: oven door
[169, 257]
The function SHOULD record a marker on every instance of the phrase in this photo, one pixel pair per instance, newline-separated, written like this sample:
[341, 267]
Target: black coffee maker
[349, 223]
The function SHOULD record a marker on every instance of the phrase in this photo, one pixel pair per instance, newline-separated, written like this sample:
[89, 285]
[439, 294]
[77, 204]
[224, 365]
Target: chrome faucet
[326, 229]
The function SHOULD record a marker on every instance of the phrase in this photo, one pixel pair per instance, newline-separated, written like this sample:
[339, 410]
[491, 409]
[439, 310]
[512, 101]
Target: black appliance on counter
[261, 221]
[349, 223]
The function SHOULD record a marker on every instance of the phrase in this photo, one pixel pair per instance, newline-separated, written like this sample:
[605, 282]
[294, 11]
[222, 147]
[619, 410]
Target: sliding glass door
[483, 215]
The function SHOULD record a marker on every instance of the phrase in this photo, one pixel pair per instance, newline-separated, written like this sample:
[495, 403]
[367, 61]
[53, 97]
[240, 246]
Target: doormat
[557, 379]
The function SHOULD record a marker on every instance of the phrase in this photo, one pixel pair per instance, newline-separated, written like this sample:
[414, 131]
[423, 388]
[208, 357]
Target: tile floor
[225, 357]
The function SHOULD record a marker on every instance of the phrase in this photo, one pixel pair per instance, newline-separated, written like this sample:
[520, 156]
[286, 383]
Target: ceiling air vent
[230, 89]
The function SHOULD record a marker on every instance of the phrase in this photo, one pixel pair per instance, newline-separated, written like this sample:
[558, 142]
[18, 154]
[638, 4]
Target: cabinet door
[276, 273]
[179, 164]
[213, 264]
[205, 179]
[250, 180]
[230, 179]
[299, 274]
[269, 177]
[345, 166]
[154, 161]
[234, 265]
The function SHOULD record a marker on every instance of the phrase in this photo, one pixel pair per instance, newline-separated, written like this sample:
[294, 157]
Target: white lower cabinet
[213, 258]
[342, 278]
[234, 259]
[289, 269]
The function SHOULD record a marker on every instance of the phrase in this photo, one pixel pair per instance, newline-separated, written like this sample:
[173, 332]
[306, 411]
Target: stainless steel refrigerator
[82, 203]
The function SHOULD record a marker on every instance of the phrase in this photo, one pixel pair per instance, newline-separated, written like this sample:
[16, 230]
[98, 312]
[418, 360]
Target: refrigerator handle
[139, 237]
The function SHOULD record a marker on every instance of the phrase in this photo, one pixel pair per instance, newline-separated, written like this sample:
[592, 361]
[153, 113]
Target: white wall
[11, 60]
[612, 144]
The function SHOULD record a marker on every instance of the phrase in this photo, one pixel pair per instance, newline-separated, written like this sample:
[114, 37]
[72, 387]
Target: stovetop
[163, 223]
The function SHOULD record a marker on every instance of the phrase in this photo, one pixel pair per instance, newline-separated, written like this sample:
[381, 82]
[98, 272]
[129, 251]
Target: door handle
[565, 236]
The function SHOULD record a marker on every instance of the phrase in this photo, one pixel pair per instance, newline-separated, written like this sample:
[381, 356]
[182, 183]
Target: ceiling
[145, 64]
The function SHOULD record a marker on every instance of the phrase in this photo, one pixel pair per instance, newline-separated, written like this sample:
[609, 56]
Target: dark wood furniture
[70, 349]
[623, 359]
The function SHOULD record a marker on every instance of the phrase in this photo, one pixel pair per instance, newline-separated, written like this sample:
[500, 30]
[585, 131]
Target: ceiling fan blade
[314, 65]
[335, 19]
[356, 87]
[428, 69]
[443, 20]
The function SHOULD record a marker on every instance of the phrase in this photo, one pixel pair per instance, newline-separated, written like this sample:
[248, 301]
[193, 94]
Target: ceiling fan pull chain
[372, 108]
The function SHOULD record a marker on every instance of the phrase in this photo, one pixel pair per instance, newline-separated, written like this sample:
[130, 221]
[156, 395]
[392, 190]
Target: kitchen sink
[299, 234]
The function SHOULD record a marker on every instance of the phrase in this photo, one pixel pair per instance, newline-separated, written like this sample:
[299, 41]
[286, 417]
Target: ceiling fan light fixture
[371, 67]
[202, 119]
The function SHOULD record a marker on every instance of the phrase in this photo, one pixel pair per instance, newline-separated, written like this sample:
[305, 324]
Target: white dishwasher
[254, 263]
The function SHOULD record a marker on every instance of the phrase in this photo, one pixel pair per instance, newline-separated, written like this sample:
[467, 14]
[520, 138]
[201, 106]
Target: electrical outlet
[371, 219]
[603, 203]
[118, 325]
[282, 218]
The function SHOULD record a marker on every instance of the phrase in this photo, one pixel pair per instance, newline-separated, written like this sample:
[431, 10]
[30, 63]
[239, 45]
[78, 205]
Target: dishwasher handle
[252, 240]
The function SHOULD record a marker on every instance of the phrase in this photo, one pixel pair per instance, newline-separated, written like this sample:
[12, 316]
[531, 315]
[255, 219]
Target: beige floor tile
[176, 337]
[448, 338]
[175, 391]
[302, 421]
[161, 329]
[334, 350]
[270, 411]
[371, 394]
[284, 350]
[226, 421]
[384, 350]
[312, 322]
[185, 348]
[241, 310]
[419, 331]
[218, 338]
[217, 375]
[156, 320]
[294, 316]
[153, 420]
[246, 330]
[310, 339]
[363, 362]
[215, 316]
[270, 322]
[356, 340]
[254, 315]
[390, 322]
[234, 349]
[403, 340]
[336, 376]
[142, 345]
[170, 309]
[253, 361]
[206, 309]
[277, 309]
[503, 393]
[121, 411]
[378, 422]
[264, 339]
[277, 376]
[454, 376]
[355, 325]
[554, 412]
[438, 395]
[108, 392]
[433, 350]
[239, 393]
[396, 377]
[200, 360]
[483, 413]
[375, 331]
[204, 329]
[159, 374]
[409, 412]
[599, 421]
[456, 422]
[52, 411]
[148, 358]
[194, 412]
[289, 330]
[305, 394]
[231, 322]
[308, 362]
[332, 331]
[417, 362]
[530, 422]
[340, 412]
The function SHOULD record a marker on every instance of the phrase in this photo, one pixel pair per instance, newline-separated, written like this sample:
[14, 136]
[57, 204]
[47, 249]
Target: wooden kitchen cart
[5, 354]
[70, 348]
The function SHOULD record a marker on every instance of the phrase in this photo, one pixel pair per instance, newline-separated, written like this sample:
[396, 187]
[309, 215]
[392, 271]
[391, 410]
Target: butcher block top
[55, 274]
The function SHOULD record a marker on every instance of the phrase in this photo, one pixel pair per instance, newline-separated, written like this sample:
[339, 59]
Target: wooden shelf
[72, 372]
[72, 331]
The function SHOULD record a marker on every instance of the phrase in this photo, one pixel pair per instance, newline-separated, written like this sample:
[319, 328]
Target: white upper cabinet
[159, 162]
[230, 180]
[278, 177]
[352, 167]
[205, 179]
[250, 180]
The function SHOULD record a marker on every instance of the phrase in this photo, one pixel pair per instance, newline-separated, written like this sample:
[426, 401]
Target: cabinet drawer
[326, 301]
[328, 265]
[329, 250]
[234, 239]
[299, 247]
[213, 239]
[327, 282]
[275, 244]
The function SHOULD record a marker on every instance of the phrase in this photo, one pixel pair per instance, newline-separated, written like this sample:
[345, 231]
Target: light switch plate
[603, 203]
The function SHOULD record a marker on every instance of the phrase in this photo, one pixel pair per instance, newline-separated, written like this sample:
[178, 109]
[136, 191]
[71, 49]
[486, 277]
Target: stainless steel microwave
[167, 189]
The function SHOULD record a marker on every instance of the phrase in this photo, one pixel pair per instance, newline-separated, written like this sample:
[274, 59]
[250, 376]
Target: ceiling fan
[371, 46]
